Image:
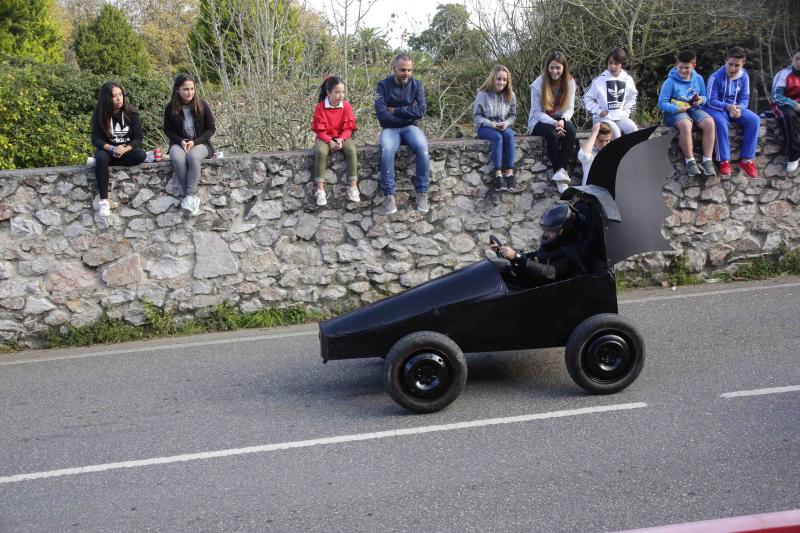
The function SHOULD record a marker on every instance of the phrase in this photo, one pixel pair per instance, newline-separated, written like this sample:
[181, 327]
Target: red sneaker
[724, 168]
[749, 168]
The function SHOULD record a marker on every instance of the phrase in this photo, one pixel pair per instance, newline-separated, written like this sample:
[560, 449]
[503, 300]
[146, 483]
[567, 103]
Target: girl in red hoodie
[334, 124]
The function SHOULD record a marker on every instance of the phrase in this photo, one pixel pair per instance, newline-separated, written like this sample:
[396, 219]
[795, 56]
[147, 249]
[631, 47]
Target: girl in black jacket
[189, 124]
[117, 135]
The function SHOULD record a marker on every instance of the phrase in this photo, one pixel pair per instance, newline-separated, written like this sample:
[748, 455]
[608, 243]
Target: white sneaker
[352, 194]
[561, 175]
[791, 166]
[104, 208]
[562, 186]
[321, 198]
[186, 203]
[195, 206]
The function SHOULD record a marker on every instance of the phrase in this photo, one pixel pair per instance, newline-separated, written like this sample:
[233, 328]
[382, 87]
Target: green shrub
[45, 112]
[679, 273]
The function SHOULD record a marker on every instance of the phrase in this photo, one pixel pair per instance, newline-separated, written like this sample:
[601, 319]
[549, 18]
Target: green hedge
[45, 112]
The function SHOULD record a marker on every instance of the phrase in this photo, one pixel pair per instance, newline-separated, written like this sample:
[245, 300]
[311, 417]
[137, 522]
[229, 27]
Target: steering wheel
[495, 240]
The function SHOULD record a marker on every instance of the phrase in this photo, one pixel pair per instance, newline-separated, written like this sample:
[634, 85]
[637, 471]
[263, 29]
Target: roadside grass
[221, 317]
[785, 263]
[224, 317]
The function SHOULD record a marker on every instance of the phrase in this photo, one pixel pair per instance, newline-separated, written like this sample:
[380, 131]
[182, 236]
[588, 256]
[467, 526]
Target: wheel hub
[425, 375]
[608, 357]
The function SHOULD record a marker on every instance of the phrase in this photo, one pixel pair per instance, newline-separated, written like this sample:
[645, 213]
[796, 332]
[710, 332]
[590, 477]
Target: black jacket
[204, 127]
[126, 130]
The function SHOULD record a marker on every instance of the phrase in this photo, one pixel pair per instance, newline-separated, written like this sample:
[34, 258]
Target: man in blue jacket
[728, 92]
[400, 104]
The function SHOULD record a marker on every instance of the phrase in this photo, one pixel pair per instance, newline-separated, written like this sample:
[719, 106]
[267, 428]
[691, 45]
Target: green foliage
[450, 36]
[45, 112]
[679, 273]
[108, 45]
[29, 30]
[786, 262]
[231, 34]
[33, 131]
[221, 317]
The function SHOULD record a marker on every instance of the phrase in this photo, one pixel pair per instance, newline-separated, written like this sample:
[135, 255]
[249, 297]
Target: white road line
[316, 442]
[759, 392]
[709, 293]
[173, 346]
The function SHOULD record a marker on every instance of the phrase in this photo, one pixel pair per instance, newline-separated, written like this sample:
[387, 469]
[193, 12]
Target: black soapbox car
[423, 333]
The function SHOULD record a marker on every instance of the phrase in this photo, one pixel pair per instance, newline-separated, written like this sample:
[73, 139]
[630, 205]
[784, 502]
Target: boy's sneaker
[791, 166]
[352, 194]
[104, 208]
[422, 202]
[511, 183]
[692, 169]
[562, 186]
[749, 168]
[725, 168]
[321, 198]
[498, 183]
[707, 167]
[389, 205]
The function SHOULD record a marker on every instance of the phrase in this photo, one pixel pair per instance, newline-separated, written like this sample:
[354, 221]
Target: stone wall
[261, 241]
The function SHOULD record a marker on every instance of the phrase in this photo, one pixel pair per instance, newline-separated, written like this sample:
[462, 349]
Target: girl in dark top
[117, 135]
[189, 124]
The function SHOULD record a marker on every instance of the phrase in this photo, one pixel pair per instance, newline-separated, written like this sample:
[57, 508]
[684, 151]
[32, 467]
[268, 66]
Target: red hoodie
[333, 122]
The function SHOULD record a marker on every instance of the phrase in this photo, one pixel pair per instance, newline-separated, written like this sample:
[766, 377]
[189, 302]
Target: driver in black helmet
[560, 252]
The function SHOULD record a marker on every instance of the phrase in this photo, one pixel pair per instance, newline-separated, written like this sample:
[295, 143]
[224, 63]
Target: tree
[28, 29]
[230, 38]
[164, 26]
[108, 45]
[450, 35]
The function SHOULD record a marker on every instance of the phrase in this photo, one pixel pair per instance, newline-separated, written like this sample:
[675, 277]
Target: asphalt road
[250, 432]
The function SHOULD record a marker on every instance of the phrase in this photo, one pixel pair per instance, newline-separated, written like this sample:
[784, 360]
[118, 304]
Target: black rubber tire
[425, 371]
[605, 353]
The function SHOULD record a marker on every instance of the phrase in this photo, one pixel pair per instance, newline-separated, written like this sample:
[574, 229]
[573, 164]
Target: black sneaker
[511, 183]
[498, 183]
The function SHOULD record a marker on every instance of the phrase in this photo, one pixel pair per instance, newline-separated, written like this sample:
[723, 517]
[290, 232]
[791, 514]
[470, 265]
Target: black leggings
[102, 161]
[791, 131]
[559, 149]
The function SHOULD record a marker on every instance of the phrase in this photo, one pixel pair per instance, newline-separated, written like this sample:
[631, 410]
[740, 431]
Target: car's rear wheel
[605, 353]
[425, 371]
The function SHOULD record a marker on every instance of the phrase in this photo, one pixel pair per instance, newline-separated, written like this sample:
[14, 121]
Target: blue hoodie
[723, 91]
[677, 88]
[407, 100]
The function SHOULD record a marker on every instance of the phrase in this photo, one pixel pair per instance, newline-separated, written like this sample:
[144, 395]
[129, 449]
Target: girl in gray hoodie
[494, 112]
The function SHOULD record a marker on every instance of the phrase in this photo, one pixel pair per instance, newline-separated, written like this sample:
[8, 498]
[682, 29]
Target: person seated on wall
[786, 95]
[571, 245]
[728, 92]
[116, 135]
[598, 139]
[399, 105]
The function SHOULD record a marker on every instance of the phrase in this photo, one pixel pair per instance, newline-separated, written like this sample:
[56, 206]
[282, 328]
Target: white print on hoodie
[617, 95]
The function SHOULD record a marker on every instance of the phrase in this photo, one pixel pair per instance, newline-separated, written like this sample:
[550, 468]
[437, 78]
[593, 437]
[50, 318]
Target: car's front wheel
[605, 353]
[425, 371]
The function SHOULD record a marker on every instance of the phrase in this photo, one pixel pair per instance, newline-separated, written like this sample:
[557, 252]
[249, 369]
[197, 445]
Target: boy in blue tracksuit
[681, 98]
[728, 92]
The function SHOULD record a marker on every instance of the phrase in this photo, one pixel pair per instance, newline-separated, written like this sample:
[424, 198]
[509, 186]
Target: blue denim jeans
[411, 136]
[503, 146]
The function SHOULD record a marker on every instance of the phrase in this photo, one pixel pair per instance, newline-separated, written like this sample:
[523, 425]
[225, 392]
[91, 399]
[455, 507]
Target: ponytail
[327, 86]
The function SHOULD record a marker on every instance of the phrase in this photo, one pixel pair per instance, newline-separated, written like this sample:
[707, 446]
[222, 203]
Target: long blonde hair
[548, 100]
[488, 85]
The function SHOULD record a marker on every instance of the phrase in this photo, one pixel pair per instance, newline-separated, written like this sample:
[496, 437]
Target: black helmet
[557, 222]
